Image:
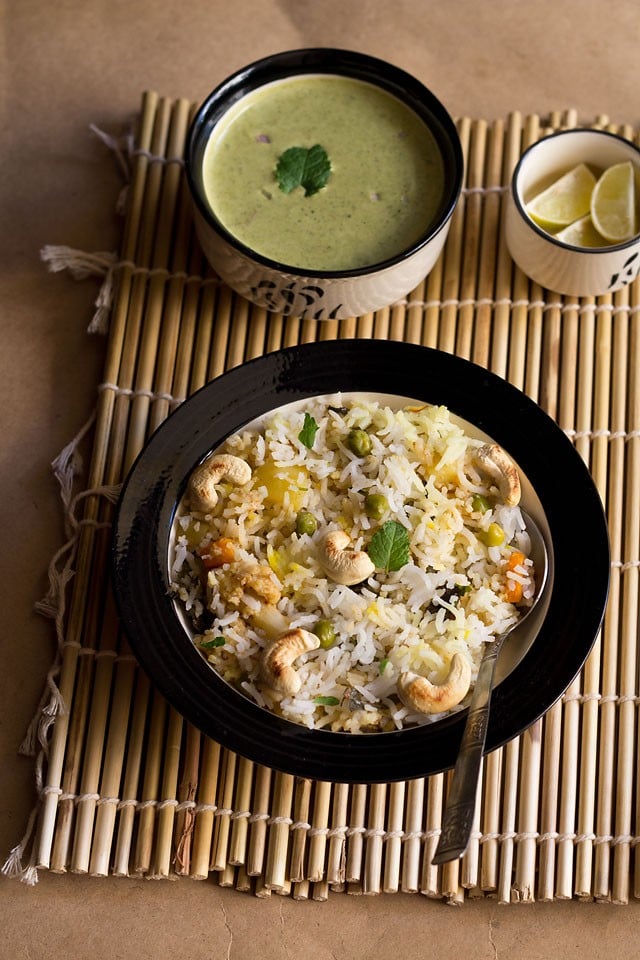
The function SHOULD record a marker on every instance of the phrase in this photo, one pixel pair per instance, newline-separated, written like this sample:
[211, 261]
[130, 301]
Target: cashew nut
[279, 657]
[501, 468]
[420, 694]
[344, 566]
[202, 482]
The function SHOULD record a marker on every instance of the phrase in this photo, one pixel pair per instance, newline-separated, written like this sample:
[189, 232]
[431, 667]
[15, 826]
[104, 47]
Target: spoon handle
[461, 800]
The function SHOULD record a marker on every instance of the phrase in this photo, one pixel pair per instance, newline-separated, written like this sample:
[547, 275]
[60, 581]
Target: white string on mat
[149, 394]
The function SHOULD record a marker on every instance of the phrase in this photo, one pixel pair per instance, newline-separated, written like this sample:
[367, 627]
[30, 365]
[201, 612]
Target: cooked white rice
[449, 597]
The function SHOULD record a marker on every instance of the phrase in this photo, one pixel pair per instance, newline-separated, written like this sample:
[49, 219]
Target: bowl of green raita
[323, 182]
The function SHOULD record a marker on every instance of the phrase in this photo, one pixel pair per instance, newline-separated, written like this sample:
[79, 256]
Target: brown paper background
[71, 63]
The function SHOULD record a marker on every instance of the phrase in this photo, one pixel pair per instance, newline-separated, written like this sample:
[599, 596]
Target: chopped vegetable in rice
[343, 563]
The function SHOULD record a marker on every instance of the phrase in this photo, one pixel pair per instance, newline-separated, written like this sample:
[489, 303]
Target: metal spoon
[461, 801]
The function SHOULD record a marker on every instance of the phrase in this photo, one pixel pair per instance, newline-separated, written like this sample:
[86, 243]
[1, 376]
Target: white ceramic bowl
[567, 269]
[322, 294]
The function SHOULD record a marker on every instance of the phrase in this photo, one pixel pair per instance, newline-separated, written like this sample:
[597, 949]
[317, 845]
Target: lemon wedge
[613, 203]
[582, 233]
[565, 200]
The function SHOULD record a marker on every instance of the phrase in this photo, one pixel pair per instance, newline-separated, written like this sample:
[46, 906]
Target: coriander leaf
[303, 167]
[210, 644]
[326, 701]
[383, 665]
[389, 546]
[308, 433]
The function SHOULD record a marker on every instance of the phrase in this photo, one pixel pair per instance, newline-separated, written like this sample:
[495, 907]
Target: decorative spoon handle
[461, 801]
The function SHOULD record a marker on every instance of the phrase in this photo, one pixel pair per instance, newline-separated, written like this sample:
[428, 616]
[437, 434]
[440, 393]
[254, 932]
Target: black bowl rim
[515, 193]
[157, 480]
[330, 60]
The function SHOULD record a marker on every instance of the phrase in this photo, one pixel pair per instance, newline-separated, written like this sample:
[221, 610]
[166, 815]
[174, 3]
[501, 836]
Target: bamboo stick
[275, 876]
[469, 865]
[95, 739]
[258, 824]
[372, 883]
[472, 232]
[611, 627]
[222, 824]
[525, 292]
[220, 333]
[413, 836]
[355, 843]
[594, 389]
[112, 772]
[490, 821]
[381, 325]
[319, 831]
[628, 620]
[492, 247]
[549, 809]
[235, 347]
[393, 838]
[166, 810]
[524, 886]
[337, 859]
[320, 891]
[453, 258]
[150, 786]
[429, 882]
[509, 813]
[414, 313]
[505, 271]
[433, 298]
[301, 812]
[571, 706]
[129, 793]
[206, 308]
[58, 858]
[240, 818]
[187, 791]
[205, 810]
[397, 321]
[449, 872]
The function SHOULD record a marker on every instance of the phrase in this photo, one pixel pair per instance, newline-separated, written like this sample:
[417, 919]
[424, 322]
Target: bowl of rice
[312, 552]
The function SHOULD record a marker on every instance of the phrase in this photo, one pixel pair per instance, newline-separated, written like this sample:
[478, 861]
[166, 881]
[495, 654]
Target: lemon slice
[565, 200]
[613, 203]
[582, 233]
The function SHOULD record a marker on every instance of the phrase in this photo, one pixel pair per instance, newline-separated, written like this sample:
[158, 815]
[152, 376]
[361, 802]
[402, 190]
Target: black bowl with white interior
[558, 492]
[304, 291]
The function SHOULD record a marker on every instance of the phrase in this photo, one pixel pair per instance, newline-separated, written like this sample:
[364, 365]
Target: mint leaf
[326, 701]
[308, 433]
[210, 644]
[389, 546]
[303, 167]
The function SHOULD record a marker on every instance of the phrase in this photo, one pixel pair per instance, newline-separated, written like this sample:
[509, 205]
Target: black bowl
[575, 525]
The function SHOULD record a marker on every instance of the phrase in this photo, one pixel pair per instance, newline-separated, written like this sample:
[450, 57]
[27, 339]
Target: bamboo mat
[128, 788]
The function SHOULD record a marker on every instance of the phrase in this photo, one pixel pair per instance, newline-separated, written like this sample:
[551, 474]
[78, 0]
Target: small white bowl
[322, 294]
[567, 269]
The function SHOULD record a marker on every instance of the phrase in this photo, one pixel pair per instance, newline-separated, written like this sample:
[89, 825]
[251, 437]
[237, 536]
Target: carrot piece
[218, 552]
[513, 590]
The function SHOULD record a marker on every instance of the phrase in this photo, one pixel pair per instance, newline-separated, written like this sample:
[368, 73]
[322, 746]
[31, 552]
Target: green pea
[325, 633]
[480, 504]
[306, 523]
[375, 505]
[493, 536]
[359, 442]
